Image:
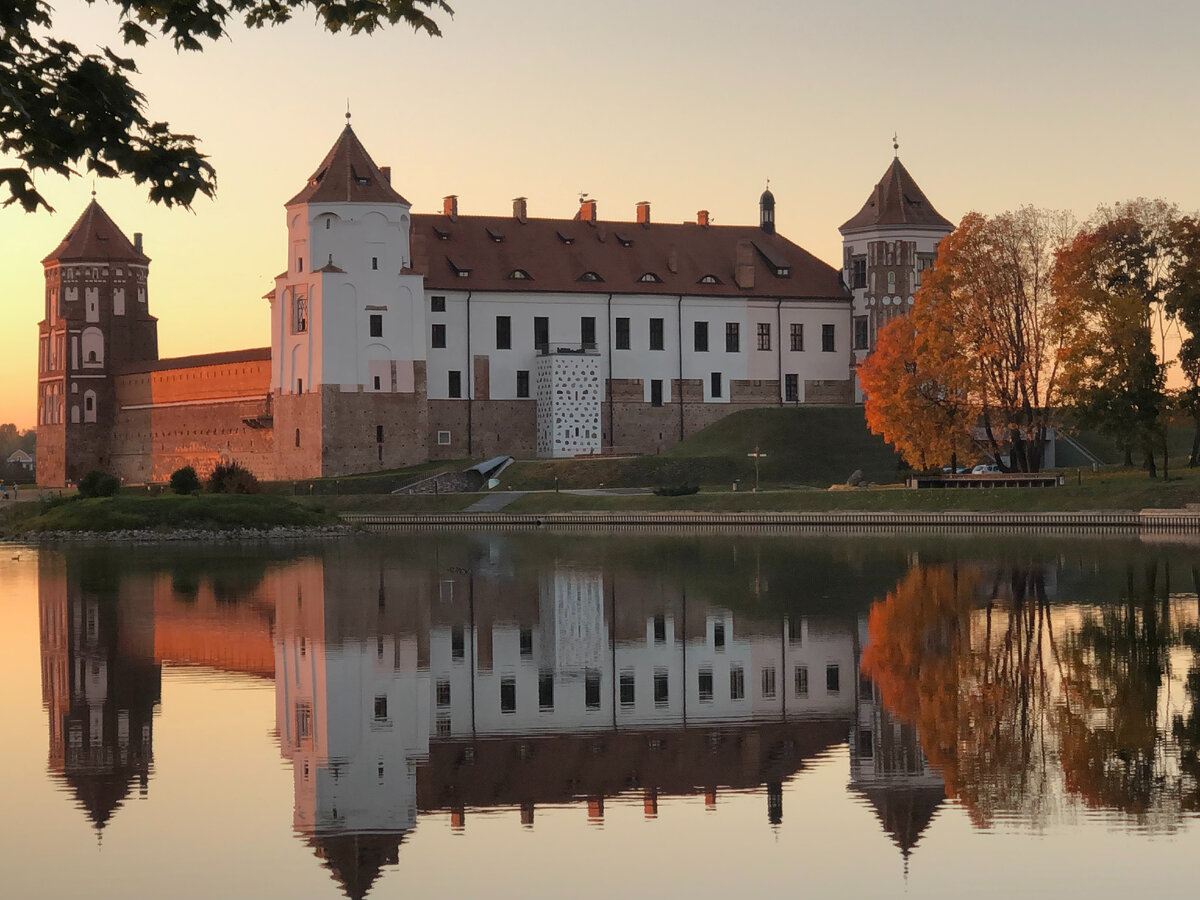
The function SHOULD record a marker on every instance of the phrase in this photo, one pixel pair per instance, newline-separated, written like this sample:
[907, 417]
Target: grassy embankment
[207, 512]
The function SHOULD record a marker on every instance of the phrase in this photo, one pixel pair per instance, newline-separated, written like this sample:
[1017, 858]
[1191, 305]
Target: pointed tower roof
[356, 859]
[95, 236]
[904, 811]
[347, 174]
[897, 200]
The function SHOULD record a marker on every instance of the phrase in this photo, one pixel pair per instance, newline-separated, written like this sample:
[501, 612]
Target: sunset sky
[688, 105]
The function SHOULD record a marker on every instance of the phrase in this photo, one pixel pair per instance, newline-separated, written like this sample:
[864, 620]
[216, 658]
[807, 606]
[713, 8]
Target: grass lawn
[206, 512]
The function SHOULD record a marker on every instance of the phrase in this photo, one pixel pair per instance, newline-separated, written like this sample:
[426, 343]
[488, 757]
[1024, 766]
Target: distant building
[22, 459]
[885, 249]
[399, 337]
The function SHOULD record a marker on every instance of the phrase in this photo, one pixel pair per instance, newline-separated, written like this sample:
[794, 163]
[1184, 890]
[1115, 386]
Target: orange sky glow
[689, 105]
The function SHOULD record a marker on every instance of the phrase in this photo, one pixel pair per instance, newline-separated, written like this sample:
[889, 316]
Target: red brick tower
[97, 321]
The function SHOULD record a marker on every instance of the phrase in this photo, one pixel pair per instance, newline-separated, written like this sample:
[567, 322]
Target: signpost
[757, 454]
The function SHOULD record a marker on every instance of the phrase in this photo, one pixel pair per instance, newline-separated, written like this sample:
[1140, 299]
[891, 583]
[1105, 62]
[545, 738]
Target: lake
[539, 714]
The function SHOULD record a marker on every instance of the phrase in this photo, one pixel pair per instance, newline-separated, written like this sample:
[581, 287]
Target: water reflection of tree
[1021, 709]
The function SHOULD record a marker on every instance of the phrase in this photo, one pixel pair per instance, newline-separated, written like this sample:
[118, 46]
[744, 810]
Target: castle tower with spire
[885, 248]
[348, 325]
[97, 321]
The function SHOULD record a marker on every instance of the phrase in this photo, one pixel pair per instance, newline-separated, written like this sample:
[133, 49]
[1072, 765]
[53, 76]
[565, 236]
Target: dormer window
[622, 240]
[566, 238]
[441, 235]
[709, 279]
[519, 275]
[650, 278]
[782, 271]
[496, 236]
[590, 276]
[460, 271]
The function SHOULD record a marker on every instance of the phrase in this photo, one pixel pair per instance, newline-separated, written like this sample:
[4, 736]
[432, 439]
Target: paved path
[494, 502]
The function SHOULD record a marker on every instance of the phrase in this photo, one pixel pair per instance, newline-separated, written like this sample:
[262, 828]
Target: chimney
[450, 206]
[587, 210]
[702, 218]
[519, 210]
[386, 172]
[137, 241]
[643, 213]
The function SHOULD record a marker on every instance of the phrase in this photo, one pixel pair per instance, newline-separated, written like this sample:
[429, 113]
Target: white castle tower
[885, 248]
[348, 324]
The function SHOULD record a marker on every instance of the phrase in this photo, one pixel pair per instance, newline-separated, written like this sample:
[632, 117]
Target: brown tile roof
[95, 236]
[897, 200]
[225, 357]
[347, 174]
[482, 253]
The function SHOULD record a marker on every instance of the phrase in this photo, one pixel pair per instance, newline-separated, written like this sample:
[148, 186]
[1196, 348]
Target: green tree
[1183, 305]
[1118, 271]
[65, 110]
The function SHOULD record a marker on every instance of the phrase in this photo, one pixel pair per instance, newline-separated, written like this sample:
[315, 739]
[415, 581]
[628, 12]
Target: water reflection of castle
[403, 691]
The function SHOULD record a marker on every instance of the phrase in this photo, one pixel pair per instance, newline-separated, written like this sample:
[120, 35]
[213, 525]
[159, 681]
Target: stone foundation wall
[835, 392]
[149, 444]
[353, 423]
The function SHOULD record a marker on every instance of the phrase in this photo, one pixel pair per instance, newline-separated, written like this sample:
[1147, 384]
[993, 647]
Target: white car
[986, 469]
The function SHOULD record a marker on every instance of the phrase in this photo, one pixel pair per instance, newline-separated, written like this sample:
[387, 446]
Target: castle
[398, 338]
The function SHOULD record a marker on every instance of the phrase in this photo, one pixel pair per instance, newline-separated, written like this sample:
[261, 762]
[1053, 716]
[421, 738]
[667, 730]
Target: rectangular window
[376, 382]
[522, 382]
[299, 263]
[381, 707]
[704, 681]
[858, 272]
[662, 689]
[443, 438]
[764, 335]
[860, 332]
[508, 695]
[443, 693]
[541, 332]
[622, 335]
[587, 331]
[503, 332]
[797, 336]
[791, 388]
[732, 339]
[297, 437]
[796, 630]
[628, 695]
[833, 678]
[374, 262]
[719, 635]
[379, 434]
[737, 683]
[768, 683]
[525, 641]
[866, 749]
[827, 339]
[801, 681]
[437, 335]
[701, 337]
[457, 645]
[591, 689]
[455, 384]
[656, 393]
[437, 304]
[299, 385]
[716, 384]
[660, 629]
[546, 690]
[656, 334]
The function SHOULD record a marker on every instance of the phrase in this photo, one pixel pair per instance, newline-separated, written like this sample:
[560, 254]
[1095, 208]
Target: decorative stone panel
[569, 391]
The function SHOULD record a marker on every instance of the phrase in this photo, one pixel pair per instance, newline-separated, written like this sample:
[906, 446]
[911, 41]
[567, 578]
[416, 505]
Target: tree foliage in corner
[68, 112]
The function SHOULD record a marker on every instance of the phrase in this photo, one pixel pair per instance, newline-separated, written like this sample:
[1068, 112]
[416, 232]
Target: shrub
[98, 484]
[676, 490]
[232, 478]
[185, 481]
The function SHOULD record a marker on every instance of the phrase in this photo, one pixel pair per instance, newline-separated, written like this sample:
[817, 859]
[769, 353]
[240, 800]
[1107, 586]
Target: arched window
[650, 278]
[92, 347]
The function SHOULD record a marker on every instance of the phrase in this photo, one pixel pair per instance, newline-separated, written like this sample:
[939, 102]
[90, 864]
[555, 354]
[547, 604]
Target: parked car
[986, 469]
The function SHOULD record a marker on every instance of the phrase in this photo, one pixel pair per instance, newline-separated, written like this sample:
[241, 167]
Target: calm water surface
[541, 715]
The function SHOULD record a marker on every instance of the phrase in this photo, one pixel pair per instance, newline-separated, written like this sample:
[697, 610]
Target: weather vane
[347, 110]
[896, 143]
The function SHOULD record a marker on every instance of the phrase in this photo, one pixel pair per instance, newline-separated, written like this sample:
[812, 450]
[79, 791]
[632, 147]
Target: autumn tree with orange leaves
[988, 330]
